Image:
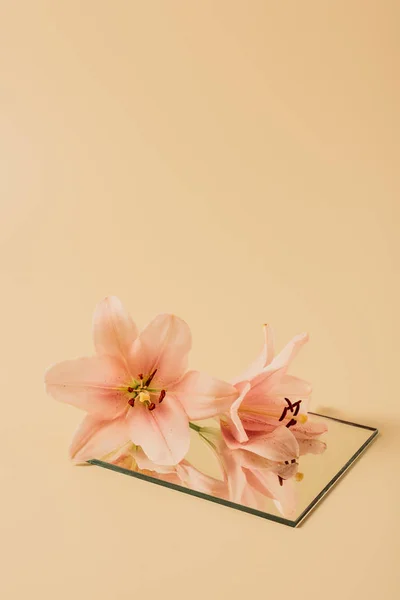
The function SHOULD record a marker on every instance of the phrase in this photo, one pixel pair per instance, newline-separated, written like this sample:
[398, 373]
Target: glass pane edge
[195, 493]
[307, 511]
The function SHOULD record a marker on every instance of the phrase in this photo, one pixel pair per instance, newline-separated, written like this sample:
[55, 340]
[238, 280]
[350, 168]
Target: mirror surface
[247, 482]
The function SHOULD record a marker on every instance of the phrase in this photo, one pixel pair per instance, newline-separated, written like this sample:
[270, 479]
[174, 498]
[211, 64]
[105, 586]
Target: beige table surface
[233, 163]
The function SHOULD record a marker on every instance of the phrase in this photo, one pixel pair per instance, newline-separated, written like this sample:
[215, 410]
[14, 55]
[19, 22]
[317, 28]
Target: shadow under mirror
[254, 480]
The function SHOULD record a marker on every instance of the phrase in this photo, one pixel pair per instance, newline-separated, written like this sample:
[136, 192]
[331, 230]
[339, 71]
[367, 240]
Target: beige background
[234, 163]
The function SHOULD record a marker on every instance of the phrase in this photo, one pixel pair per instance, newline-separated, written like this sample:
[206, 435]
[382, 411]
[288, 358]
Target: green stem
[195, 427]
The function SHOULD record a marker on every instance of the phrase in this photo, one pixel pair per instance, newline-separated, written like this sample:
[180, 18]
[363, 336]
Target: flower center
[140, 391]
[292, 408]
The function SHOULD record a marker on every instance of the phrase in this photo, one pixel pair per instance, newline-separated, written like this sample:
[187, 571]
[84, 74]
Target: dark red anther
[150, 378]
[293, 408]
[140, 375]
[297, 405]
[131, 402]
[293, 461]
[161, 396]
[283, 415]
[130, 390]
[280, 480]
[152, 406]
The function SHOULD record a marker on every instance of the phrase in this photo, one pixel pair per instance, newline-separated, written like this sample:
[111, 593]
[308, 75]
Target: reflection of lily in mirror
[141, 402]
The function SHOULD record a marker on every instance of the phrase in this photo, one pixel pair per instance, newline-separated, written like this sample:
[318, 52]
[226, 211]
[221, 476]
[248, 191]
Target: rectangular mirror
[236, 475]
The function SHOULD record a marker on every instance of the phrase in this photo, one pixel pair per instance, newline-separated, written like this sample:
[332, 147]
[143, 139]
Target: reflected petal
[250, 496]
[144, 463]
[278, 446]
[197, 480]
[311, 446]
[258, 481]
[254, 462]
[236, 478]
[309, 429]
[284, 495]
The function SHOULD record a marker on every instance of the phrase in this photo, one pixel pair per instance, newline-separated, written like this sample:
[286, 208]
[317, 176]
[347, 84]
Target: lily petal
[203, 396]
[95, 438]
[113, 329]
[266, 390]
[163, 433]
[311, 446]
[148, 467]
[163, 345]
[278, 446]
[236, 478]
[250, 496]
[273, 386]
[294, 387]
[237, 426]
[232, 419]
[254, 462]
[196, 480]
[309, 429]
[91, 384]
[289, 352]
[125, 460]
[263, 359]
[284, 495]
[258, 481]
[145, 464]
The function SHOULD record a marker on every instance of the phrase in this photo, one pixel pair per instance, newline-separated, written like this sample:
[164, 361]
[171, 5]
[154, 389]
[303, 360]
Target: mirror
[244, 481]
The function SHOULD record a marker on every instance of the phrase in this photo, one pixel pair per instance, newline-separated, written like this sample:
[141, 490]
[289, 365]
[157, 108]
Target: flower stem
[195, 427]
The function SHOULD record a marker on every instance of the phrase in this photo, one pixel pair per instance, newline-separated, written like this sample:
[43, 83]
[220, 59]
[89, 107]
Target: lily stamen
[143, 393]
[292, 407]
[300, 418]
[149, 379]
[144, 397]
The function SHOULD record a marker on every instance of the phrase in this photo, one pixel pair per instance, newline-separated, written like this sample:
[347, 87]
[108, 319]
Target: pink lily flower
[269, 398]
[137, 387]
